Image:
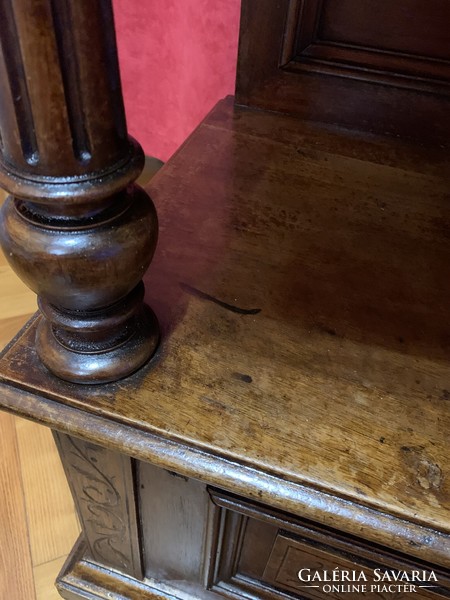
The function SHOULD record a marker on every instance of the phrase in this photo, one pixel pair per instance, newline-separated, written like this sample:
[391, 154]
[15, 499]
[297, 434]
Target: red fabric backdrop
[177, 58]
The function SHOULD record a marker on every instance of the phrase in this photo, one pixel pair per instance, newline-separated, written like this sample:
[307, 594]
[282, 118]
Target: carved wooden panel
[103, 487]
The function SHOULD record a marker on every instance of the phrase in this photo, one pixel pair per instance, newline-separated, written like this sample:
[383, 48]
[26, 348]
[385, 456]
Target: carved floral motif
[101, 504]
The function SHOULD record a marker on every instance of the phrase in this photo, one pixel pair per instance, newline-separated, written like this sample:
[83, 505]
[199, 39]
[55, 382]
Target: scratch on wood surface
[204, 296]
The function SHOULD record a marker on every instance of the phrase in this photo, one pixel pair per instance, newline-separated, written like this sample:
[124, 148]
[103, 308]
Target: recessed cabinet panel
[295, 566]
[175, 520]
[268, 554]
[409, 26]
[381, 66]
[371, 39]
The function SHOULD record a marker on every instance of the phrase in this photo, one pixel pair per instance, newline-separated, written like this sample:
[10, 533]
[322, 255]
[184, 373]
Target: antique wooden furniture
[75, 230]
[295, 416]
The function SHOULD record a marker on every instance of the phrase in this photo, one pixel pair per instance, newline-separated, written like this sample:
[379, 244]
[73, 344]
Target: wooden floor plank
[9, 327]
[53, 527]
[16, 299]
[44, 579]
[16, 576]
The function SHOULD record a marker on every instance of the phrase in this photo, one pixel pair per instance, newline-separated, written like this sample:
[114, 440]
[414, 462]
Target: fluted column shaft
[76, 229]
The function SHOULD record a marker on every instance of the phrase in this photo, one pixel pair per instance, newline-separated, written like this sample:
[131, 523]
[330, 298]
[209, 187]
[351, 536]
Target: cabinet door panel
[269, 554]
[405, 43]
[409, 26]
[370, 65]
[296, 566]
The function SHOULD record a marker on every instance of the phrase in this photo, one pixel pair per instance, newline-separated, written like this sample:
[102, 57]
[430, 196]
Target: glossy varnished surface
[302, 284]
[75, 229]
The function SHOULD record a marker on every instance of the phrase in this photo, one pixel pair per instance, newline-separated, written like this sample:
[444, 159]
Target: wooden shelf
[301, 282]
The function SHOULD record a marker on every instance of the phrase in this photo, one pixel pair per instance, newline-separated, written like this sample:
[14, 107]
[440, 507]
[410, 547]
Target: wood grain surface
[44, 579]
[301, 280]
[53, 526]
[352, 63]
[16, 574]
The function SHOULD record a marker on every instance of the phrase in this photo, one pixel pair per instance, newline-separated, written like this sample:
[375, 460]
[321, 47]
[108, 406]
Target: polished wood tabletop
[302, 285]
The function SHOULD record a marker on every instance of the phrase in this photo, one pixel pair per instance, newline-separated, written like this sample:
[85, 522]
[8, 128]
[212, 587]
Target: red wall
[177, 58]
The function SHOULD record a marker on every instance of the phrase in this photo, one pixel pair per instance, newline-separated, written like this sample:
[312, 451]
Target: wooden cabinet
[290, 432]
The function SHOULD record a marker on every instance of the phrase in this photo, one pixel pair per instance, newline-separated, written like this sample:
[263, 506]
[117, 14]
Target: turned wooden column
[76, 229]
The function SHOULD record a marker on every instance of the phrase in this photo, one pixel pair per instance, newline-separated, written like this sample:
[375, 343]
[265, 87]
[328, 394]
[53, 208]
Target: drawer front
[262, 553]
[299, 567]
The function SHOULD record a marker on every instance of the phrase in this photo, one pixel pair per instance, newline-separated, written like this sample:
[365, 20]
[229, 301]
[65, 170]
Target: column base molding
[100, 367]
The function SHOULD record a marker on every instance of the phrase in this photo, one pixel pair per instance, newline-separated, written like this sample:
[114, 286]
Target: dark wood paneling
[404, 44]
[82, 579]
[408, 26]
[356, 64]
[261, 549]
[175, 519]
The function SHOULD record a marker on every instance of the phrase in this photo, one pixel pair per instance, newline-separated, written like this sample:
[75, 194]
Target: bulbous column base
[86, 271]
[94, 364]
